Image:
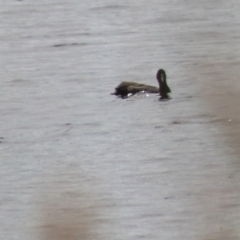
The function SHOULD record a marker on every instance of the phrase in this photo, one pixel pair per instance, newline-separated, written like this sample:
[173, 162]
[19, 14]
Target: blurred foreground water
[78, 163]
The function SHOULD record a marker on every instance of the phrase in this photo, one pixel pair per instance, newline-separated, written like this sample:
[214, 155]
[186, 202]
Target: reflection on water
[79, 163]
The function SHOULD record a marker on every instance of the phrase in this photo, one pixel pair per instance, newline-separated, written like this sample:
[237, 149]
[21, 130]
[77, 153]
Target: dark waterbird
[124, 89]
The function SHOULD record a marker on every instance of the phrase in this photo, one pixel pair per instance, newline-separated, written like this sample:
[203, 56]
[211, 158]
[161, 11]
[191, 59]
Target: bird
[124, 89]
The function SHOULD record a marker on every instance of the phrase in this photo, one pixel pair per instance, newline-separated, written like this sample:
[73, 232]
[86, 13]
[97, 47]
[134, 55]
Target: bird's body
[126, 88]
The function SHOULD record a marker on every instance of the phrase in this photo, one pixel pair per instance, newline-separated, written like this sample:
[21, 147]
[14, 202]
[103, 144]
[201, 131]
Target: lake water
[79, 163]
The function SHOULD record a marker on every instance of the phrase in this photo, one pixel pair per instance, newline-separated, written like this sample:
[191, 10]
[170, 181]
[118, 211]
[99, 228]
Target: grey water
[79, 163]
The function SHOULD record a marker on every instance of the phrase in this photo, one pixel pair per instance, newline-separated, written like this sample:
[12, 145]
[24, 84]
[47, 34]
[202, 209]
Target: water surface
[73, 155]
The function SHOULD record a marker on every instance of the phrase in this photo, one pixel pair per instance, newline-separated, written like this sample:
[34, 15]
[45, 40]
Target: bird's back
[124, 88]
